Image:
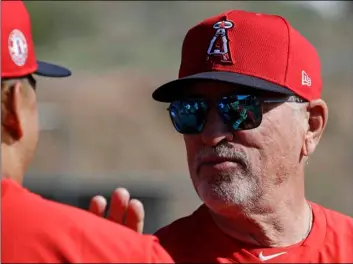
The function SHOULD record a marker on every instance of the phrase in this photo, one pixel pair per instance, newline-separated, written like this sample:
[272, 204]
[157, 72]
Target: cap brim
[51, 70]
[175, 89]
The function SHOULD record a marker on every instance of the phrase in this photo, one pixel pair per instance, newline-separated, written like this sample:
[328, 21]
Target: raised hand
[122, 210]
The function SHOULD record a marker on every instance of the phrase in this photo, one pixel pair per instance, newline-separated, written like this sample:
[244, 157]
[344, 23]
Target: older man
[252, 85]
[35, 230]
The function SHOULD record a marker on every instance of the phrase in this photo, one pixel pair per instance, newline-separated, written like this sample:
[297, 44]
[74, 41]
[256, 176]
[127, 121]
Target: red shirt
[36, 230]
[196, 238]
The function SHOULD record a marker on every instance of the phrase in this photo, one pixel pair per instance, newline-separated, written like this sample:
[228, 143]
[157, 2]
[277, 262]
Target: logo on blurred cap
[306, 80]
[18, 48]
[219, 45]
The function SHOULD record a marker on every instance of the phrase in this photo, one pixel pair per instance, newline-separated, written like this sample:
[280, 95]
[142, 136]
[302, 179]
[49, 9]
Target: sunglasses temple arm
[275, 101]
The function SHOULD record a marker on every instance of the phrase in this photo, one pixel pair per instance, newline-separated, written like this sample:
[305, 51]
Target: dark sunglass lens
[188, 116]
[241, 112]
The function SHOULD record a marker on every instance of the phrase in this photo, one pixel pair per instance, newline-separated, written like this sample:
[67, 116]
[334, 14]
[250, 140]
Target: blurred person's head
[248, 103]
[19, 114]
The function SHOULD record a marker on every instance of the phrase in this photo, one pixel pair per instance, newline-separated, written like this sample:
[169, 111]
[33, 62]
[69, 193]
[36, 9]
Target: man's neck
[280, 226]
[10, 167]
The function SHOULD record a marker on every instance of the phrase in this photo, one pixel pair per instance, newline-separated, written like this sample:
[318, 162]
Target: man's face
[255, 162]
[30, 121]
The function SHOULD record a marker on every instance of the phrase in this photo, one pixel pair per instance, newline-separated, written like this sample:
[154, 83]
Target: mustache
[223, 150]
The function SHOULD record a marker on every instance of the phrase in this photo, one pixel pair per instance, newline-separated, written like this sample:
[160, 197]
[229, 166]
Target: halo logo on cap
[18, 48]
[219, 46]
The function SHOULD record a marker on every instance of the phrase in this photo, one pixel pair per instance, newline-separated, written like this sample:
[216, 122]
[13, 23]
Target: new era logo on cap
[306, 80]
[259, 51]
[17, 49]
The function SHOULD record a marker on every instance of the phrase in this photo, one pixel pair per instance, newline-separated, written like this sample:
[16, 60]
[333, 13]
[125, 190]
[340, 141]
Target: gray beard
[238, 187]
[233, 190]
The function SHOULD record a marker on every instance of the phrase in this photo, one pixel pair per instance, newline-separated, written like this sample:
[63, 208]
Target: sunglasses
[32, 81]
[239, 112]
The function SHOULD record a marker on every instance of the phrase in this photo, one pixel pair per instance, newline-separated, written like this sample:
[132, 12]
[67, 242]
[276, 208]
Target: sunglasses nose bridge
[215, 129]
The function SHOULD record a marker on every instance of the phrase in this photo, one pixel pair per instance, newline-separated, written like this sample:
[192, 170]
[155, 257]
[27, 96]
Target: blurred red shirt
[196, 238]
[36, 230]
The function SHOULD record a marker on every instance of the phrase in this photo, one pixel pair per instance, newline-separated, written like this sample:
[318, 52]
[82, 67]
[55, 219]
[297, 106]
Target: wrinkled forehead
[212, 90]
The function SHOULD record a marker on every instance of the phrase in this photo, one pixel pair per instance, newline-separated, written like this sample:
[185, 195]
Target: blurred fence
[101, 129]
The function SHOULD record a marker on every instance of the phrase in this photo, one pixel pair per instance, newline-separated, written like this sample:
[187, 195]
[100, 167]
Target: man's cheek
[191, 147]
[191, 152]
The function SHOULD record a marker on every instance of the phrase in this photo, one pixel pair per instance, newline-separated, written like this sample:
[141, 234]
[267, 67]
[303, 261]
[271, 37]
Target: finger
[98, 205]
[135, 216]
[118, 205]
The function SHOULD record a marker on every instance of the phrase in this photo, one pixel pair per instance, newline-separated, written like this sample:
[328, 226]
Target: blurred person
[33, 229]
[255, 84]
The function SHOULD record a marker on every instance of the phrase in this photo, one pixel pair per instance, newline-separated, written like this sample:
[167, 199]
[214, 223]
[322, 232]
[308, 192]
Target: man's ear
[317, 120]
[11, 104]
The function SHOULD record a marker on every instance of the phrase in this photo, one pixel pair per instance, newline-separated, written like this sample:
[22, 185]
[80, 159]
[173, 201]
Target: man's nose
[215, 130]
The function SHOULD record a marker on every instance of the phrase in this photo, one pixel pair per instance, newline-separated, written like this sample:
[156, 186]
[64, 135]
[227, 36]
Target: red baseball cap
[17, 49]
[258, 51]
